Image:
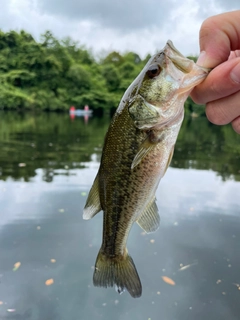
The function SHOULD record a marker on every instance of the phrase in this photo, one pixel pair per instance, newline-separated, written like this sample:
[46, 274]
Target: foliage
[54, 74]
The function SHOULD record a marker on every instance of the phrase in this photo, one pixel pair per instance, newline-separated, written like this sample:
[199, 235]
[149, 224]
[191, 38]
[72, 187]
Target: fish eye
[153, 71]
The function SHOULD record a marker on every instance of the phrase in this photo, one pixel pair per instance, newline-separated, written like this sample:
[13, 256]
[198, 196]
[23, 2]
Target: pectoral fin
[148, 145]
[93, 205]
[145, 148]
[149, 219]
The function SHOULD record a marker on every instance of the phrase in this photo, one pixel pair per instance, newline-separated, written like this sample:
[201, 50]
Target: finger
[234, 54]
[219, 35]
[221, 82]
[236, 124]
[224, 110]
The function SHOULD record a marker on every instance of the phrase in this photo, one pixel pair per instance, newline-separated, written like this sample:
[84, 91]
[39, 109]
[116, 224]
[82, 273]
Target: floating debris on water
[168, 280]
[237, 285]
[186, 266]
[22, 165]
[16, 266]
[49, 282]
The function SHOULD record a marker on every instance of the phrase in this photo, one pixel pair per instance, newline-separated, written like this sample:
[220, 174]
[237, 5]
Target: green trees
[54, 74]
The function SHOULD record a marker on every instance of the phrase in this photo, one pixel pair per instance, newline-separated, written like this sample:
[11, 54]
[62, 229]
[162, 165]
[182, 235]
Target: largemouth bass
[137, 151]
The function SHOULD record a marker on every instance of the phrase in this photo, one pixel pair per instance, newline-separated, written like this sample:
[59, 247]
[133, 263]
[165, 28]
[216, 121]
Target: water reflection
[53, 141]
[41, 205]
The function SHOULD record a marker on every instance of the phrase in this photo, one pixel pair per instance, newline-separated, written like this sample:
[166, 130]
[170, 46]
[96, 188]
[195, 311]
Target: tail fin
[119, 271]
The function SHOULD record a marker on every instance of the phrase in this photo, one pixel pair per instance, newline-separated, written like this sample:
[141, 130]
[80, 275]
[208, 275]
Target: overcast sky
[142, 26]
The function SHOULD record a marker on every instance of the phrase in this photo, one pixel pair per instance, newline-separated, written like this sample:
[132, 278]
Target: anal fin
[93, 205]
[149, 220]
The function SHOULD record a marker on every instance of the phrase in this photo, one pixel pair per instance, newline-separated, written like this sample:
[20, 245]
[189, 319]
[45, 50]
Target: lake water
[47, 252]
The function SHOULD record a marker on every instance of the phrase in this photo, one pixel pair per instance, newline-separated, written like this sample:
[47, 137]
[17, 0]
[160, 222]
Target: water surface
[47, 165]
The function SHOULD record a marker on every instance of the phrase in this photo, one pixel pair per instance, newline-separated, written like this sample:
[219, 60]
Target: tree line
[55, 74]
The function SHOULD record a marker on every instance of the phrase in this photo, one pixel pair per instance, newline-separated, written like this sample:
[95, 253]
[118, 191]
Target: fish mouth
[182, 63]
[173, 49]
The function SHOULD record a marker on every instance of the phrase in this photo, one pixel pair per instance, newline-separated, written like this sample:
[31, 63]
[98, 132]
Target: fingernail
[201, 58]
[235, 74]
[205, 61]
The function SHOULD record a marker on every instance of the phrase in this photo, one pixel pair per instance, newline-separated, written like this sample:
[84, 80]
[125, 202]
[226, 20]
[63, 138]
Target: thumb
[208, 59]
[218, 36]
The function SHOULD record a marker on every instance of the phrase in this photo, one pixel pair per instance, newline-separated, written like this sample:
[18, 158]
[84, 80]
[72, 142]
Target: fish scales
[121, 186]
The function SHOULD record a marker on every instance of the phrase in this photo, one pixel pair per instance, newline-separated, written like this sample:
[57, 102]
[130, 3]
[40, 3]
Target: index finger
[219, 35]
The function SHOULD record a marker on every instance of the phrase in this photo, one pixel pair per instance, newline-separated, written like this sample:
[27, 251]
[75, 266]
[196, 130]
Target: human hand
[220, 49]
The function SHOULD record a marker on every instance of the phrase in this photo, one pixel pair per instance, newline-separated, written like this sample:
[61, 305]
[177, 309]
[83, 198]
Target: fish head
[157, 95]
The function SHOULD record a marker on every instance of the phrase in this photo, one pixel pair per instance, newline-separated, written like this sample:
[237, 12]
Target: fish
[137, 151]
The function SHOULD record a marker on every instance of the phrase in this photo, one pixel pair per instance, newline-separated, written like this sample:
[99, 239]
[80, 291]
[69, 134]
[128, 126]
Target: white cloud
[142, 26]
